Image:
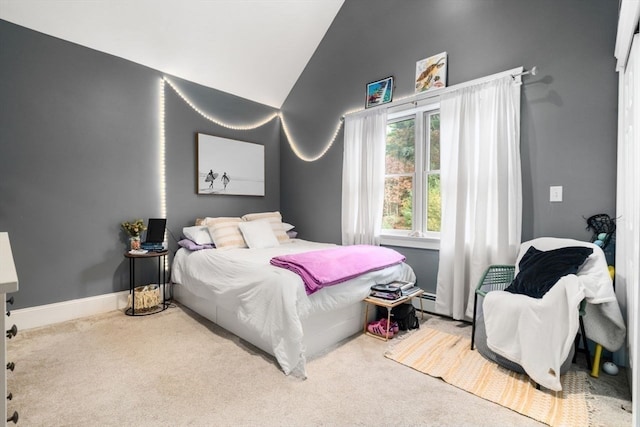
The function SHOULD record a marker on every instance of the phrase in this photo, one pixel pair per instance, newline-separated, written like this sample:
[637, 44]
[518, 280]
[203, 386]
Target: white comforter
[269, 299]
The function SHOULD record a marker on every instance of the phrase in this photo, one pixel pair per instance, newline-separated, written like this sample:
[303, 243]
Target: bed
[268, 306]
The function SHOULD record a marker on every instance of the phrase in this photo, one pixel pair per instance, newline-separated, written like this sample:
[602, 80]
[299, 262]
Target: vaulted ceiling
[255, 49]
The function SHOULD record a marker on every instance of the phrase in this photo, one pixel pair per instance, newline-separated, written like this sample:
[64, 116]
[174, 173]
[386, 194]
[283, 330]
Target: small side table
[389, 304]
[162, 281]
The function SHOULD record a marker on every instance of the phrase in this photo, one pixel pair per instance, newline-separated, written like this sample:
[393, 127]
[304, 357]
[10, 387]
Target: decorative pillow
[275, 218]
[199, 234]
[258, 234]
[225, 232]
[193, 246]
[292, 234]
[539, 270]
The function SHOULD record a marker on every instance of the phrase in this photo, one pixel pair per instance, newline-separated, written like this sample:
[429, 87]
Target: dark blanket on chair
[540, 270]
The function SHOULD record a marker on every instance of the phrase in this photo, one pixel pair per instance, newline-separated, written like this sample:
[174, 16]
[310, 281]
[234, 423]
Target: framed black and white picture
[379, 92]
[228, 166]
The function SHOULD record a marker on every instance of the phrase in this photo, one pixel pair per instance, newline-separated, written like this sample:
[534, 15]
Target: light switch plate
[555, 193]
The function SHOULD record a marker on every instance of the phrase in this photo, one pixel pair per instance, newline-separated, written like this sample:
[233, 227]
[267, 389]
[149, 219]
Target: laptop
[155, 234]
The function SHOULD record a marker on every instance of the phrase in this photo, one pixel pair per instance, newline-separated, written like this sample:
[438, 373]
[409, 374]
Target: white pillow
[287, 226]
[198, 234]
[258, 234]
[275, 218]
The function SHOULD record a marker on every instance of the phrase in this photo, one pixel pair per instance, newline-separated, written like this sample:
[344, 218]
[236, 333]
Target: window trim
[407, 241]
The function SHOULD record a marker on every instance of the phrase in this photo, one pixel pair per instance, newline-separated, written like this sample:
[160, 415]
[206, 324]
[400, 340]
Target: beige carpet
[177, 369]
[449, 357]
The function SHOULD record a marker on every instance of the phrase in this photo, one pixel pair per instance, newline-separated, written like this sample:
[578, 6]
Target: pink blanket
[335, 265]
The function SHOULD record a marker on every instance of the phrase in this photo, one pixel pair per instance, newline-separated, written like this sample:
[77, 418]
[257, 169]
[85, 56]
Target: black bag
[404, 314]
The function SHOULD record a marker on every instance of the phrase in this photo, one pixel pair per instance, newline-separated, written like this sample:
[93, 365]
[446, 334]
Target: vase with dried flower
[134, 229]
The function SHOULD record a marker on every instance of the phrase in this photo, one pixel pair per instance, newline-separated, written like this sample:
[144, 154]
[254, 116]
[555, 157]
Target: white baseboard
[43, 315]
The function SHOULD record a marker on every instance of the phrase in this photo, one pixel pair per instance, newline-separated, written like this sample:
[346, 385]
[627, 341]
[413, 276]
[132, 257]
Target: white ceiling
[255, 49]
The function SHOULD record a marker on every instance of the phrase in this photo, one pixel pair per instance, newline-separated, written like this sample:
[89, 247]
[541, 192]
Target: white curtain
[363, 177]
[627, 265]
[481, 188]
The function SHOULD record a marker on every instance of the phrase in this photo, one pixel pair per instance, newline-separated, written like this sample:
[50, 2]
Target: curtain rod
[533, 71]
[515, 73]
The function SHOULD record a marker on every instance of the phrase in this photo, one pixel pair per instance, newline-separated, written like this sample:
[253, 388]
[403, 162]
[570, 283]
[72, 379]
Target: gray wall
[79, 141]
[79, 130]
[569, 110]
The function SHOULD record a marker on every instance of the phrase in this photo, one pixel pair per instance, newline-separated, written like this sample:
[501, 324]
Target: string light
[292, 144]
[162, 173]
[217, 121]
[162, 156]
[296, 150]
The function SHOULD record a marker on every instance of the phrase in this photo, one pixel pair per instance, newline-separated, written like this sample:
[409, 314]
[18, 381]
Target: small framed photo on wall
[379, 92]
[431, 72]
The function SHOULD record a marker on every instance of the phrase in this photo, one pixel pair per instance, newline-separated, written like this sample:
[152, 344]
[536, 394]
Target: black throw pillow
[540, 270]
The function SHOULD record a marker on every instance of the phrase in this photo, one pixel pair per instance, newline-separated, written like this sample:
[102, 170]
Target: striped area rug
[449, 357]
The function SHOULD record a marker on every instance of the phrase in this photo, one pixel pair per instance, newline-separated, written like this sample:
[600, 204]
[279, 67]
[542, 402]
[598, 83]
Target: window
[399, 174]
[411, 208]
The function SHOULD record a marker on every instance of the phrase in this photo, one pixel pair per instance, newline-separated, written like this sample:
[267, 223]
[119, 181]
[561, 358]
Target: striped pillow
[275, 219]
[225, 232]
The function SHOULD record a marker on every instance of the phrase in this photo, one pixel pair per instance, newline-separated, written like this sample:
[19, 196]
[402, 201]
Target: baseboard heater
[428, 302]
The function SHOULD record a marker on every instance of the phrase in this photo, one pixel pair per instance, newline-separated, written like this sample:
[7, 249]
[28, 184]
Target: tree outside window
[399, 173]
[412, 201]
[434, 201]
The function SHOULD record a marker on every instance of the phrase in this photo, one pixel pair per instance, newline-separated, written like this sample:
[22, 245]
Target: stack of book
[409, 288]
[394, 290]
[386, 291]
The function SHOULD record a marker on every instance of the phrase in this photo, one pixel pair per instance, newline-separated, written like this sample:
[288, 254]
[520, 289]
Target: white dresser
[8, 284]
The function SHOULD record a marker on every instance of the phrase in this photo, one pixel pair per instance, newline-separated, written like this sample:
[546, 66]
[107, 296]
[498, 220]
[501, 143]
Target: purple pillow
[193, 246]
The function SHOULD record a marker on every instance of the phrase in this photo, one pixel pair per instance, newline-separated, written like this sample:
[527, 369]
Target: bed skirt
[322, 330]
